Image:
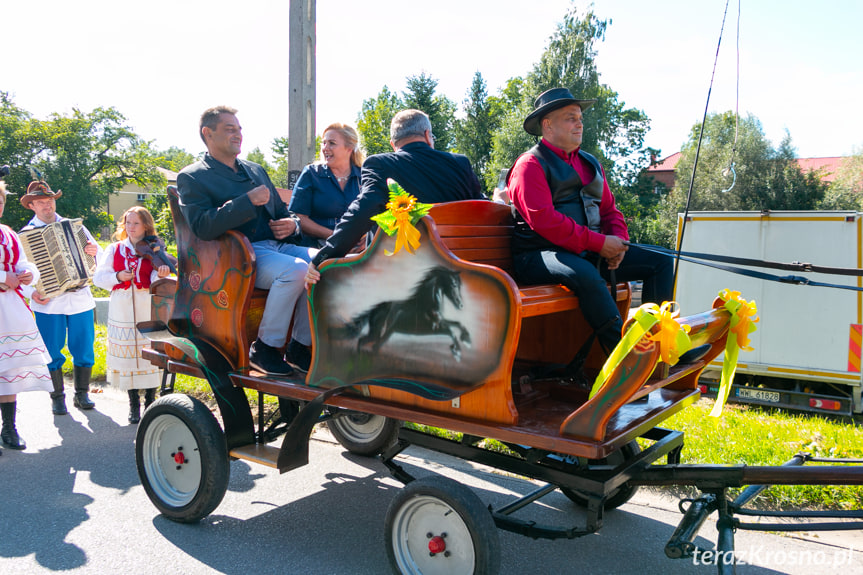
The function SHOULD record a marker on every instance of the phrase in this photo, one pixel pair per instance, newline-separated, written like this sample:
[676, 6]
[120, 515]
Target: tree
[420, 95]
[257, 156]
[763, 177]
[373, 123]
[612, 132]
[473, 133]
[846, 190]
[86, 155]
[174, 159]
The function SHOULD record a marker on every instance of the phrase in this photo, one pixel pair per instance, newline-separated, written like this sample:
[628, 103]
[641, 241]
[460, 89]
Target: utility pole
[301, 85]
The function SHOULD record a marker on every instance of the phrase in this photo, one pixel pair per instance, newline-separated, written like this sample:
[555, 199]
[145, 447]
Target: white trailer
[807, 347]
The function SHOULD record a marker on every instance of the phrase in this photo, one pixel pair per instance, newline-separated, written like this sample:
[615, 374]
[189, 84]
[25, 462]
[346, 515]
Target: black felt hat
[549, 101]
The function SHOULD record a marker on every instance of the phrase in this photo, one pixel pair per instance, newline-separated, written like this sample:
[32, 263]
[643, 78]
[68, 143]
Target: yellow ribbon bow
[672, 337]
[742, 323]
[407, 236]
[402, 213]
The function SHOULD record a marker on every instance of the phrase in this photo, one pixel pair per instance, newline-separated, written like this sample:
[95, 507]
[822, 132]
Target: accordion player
[58, 251]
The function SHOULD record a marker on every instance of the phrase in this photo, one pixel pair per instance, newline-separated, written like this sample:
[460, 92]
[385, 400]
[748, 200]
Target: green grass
[748, 435]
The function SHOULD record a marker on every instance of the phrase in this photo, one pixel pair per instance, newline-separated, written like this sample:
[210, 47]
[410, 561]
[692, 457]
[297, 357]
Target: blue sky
[162, 62]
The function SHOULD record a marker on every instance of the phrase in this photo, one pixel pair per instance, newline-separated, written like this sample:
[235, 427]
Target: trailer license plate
[759, 394]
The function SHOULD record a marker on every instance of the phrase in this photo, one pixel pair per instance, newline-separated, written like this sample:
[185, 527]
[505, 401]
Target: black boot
[58, 396]
[149, 397]
[609, 334]
[9, 434]
[82, 386]
[134, 406]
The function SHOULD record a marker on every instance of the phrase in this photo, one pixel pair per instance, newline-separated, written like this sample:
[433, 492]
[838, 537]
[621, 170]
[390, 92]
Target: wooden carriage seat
[217, 302]
[481, 232]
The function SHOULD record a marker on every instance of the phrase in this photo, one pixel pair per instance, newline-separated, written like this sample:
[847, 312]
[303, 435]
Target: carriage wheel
[182, 458]
[620, 495]
[438, 526]
[364, 433]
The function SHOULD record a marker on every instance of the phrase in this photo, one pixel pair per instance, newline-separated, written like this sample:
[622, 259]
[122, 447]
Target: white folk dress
[23, 356]
[125, 368]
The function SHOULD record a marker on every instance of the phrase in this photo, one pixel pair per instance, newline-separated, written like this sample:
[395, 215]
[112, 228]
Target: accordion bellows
[58, 252]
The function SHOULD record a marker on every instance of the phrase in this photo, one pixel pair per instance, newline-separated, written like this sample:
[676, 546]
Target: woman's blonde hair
[146, 219]
[352, 139]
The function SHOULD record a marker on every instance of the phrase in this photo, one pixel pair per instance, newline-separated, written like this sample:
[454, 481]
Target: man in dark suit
[429, 175]
[221, 193]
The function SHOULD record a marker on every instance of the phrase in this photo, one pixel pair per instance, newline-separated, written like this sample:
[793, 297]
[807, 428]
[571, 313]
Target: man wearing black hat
[568, 229]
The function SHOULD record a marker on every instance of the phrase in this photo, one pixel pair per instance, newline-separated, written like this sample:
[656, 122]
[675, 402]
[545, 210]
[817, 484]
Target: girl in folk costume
[23, 356]
[128, 276]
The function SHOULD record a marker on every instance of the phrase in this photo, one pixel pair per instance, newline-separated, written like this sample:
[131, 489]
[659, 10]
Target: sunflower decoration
[403, 212]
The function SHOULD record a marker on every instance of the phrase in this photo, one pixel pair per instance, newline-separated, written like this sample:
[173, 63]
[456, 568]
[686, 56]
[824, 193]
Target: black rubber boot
[149, 397]
[9, 434]
[82, 386]
[58, 396]
[134, 406]
[608, 334]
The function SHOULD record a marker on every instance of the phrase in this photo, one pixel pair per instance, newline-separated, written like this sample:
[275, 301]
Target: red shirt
[531, 196]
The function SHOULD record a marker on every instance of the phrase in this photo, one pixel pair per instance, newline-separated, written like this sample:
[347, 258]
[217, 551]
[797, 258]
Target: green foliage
[612, 132]
[86, 155]
[281, 155]
[373, 123]
[174, 159]
[846, 190]
[157, 205]
[420, 95]
[753, 437]
[257, 156]
[473, 133]
[766, 178]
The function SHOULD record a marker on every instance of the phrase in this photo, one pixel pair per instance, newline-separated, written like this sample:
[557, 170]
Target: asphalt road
[72, 502]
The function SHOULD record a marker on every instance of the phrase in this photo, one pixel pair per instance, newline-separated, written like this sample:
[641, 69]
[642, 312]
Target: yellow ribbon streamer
[742, 323]
[672, 337]
[407, 236]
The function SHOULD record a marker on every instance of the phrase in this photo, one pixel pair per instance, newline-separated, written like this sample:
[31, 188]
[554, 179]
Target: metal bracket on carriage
[294, 452]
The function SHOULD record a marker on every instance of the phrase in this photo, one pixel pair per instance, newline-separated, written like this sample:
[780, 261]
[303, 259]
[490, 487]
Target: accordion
[58, 252]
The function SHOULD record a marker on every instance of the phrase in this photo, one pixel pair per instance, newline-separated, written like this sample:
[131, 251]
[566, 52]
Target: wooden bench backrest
[476, 230]
[214, 288]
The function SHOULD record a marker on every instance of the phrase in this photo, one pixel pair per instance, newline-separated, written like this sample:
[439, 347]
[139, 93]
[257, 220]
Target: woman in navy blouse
[325, 190]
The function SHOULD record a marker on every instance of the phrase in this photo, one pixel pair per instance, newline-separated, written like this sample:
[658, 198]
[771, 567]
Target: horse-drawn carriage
[443, 337]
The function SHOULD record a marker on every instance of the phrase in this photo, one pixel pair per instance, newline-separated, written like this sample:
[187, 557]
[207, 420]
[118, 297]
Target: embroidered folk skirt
[125, 368]
[23, 356]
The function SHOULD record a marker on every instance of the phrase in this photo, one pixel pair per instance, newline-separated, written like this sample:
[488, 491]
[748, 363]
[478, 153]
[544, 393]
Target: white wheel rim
[414, 521]
[361, 427]
[174, 482]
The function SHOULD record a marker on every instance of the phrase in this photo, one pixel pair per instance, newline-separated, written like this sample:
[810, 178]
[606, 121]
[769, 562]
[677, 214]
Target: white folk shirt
[69, 303]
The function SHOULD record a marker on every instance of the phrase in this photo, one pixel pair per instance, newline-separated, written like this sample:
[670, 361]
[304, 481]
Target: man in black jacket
[428, 174]
[221, 193]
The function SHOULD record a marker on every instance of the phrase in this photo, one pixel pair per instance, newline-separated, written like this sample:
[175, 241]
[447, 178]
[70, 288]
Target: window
[142, 197]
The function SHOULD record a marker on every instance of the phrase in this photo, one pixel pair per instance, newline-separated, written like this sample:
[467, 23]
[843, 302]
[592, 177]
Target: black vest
[569, 194]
